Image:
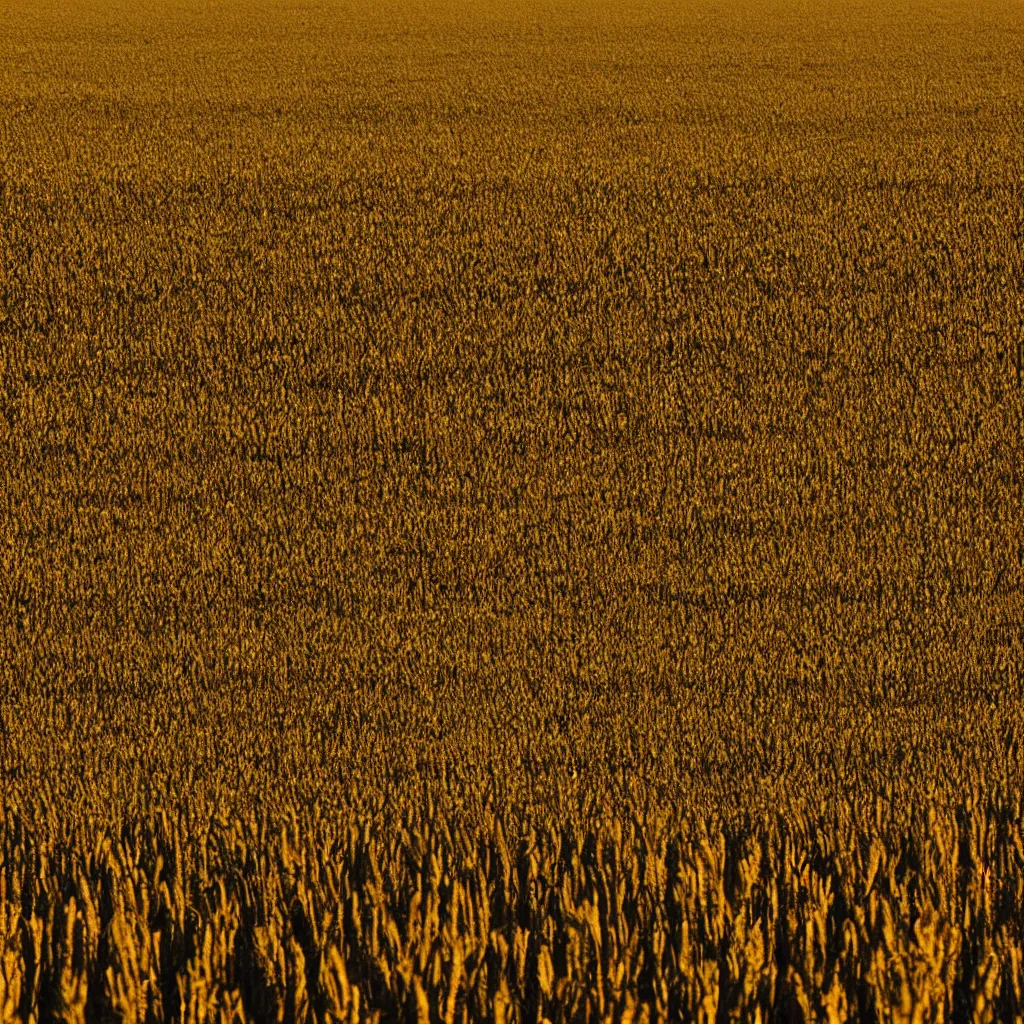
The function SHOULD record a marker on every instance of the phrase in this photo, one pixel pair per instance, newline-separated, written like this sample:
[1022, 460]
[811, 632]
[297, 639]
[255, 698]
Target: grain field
[511, 514]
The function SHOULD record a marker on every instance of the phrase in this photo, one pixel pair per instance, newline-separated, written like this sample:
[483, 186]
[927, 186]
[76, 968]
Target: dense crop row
[230, 920]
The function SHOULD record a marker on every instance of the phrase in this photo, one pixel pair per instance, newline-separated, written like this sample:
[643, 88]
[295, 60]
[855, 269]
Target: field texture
[511, 519]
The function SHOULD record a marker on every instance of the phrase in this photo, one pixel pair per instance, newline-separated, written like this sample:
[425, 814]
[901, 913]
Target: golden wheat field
[511, 514]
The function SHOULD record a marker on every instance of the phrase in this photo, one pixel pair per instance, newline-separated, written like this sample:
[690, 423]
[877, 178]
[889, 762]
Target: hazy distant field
[589, 423]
